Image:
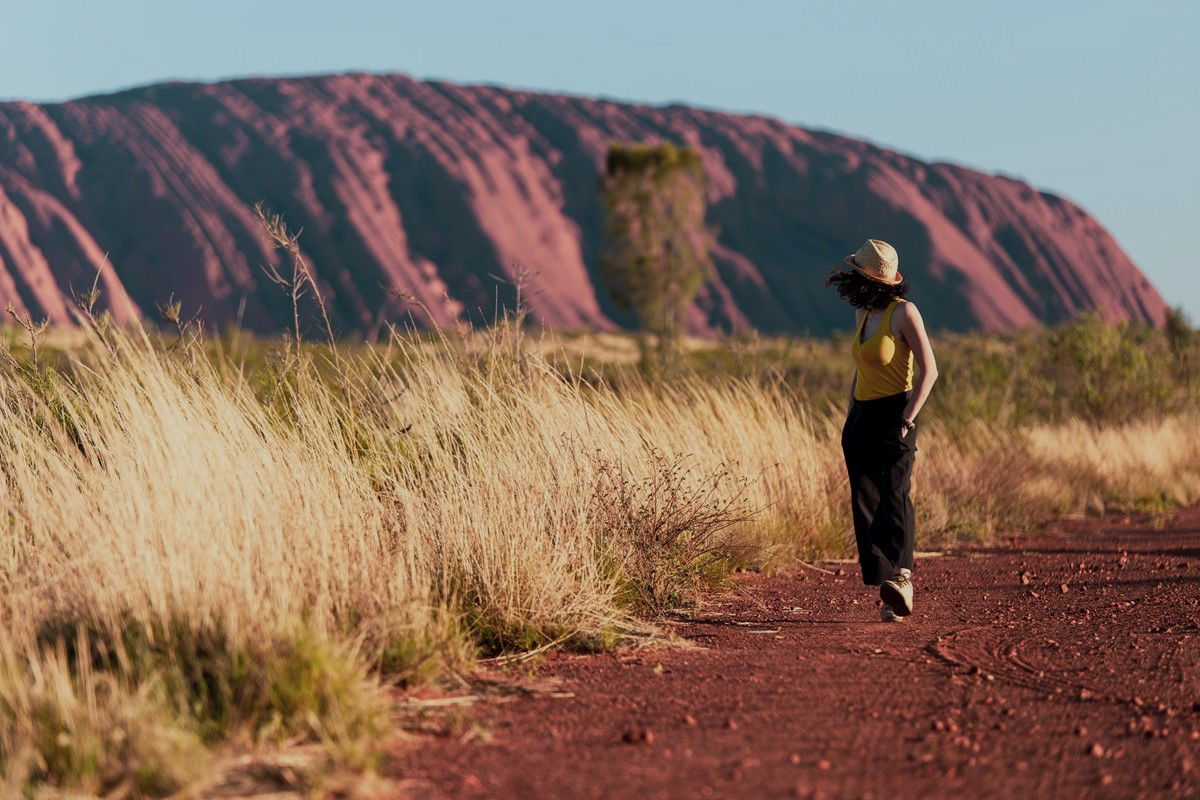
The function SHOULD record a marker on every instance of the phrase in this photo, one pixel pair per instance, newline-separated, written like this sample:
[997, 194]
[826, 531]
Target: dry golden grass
[194, 556]
[1152, 464]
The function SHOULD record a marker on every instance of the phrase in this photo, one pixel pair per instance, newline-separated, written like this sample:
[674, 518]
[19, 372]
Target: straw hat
[876, 260]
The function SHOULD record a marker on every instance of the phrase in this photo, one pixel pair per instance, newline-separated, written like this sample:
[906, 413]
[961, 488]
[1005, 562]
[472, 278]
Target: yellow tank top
[884, 362]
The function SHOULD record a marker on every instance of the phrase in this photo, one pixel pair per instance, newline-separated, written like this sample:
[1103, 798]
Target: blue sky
[1099, 101]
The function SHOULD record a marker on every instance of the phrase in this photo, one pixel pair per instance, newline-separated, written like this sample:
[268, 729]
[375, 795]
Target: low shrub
[668, 533]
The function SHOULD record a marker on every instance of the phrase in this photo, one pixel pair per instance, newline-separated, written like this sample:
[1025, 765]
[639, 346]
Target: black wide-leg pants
[879, 462]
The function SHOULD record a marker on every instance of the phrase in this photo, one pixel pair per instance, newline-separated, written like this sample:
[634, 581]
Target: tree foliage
[1182, 338]
[657, 254]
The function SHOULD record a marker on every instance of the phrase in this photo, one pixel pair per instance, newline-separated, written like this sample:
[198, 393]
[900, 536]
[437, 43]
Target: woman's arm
[912, 329]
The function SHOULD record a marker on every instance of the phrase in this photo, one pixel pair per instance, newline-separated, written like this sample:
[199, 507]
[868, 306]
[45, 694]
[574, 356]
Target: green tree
[1181, 339]
[657, 253]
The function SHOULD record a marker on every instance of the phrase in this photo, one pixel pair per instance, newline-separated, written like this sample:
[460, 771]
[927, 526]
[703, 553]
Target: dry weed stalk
[33, 330]
[299, 281]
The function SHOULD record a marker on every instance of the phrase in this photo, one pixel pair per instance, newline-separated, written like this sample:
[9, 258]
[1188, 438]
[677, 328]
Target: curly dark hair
[862, 292]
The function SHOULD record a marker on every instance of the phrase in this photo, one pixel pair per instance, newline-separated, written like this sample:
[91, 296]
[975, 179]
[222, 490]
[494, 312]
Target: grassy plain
[214, 544]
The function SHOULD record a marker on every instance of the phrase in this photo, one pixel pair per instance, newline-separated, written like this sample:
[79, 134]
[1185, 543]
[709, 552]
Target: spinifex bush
[123, 712]
[63, 723]
[152, 502]
[1147, 464]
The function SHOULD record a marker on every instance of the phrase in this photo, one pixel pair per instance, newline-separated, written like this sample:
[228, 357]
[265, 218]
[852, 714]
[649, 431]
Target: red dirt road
[1065, 664]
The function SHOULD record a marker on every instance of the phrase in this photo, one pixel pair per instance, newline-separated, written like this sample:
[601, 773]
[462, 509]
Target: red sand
[1061, 665]
[433, 188]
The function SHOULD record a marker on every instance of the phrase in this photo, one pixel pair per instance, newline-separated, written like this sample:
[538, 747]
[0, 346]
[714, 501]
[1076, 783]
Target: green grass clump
[314, 688]
[143, 710]
[93, 731]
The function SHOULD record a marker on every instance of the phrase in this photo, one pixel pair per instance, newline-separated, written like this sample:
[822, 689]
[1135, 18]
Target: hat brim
[850, 263]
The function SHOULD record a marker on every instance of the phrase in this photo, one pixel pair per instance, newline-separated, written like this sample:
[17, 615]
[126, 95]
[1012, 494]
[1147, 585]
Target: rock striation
[434, 201]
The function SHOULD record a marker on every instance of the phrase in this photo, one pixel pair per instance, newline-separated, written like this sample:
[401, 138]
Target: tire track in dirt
[1005, 657]
[1060, 665]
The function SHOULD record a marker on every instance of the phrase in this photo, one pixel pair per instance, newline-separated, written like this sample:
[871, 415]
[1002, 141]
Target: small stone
[638, 736]
[1080, 730]
[1096, 750]
[1106, 778]
[690, 721]
[824, 764]
[1064, 588]
[794, 758]
[732, 724]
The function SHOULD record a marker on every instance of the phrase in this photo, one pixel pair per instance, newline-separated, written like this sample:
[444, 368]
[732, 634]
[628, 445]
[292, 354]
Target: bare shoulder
[910, 326]
[908, 312]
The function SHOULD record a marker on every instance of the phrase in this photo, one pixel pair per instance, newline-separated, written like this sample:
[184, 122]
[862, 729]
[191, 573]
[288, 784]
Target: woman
[879, 439]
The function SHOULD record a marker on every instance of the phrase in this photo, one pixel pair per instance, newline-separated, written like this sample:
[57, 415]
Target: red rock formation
[449, 192]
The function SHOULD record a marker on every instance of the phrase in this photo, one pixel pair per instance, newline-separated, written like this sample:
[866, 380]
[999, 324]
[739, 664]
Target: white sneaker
[887, 615]
[897, 594]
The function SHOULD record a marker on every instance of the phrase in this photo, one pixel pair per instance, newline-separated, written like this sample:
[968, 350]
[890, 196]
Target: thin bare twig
[33, 329]
[299, 281]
